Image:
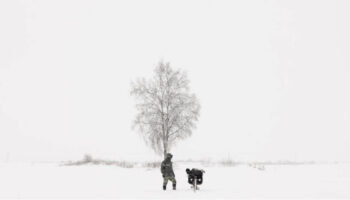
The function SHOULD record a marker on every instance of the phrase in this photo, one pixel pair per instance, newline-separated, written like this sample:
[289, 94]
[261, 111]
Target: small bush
[228, 163]
[89, 160]
[257, 166]
[151, 164]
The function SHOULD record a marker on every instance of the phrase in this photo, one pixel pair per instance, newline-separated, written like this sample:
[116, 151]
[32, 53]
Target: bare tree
[167, 111]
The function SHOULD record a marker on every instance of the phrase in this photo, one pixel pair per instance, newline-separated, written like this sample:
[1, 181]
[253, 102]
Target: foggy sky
[272, 77]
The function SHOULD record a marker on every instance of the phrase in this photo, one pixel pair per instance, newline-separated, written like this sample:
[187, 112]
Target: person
[198, 173]
[168, 172]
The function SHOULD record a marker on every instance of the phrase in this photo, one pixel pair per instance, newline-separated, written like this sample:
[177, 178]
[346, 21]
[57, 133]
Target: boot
[174, 186]
[164, 187]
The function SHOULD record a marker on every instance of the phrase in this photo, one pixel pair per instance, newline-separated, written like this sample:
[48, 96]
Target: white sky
[272, 77]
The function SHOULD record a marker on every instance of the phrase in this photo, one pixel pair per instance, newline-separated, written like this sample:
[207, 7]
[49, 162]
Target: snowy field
[242, 181]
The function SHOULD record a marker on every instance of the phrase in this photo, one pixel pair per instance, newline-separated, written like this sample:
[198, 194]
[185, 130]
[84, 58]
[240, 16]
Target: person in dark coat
[168, 172]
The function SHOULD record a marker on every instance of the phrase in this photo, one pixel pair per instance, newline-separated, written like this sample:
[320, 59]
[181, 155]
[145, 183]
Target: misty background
[272, 77]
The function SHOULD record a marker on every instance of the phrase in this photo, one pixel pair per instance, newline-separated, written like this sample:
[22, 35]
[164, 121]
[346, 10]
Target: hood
[168, 156]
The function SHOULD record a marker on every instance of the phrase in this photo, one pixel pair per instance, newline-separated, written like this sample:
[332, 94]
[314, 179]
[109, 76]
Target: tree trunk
[165, 148]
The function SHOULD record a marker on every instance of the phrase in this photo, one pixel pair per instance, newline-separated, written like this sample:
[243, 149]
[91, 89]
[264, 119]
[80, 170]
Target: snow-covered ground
[242, 181]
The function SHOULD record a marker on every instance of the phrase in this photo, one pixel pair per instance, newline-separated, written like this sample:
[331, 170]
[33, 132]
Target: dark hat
[169, 155]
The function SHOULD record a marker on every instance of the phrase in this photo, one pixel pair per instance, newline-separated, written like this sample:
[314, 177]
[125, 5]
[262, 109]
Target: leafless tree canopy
[167, 111]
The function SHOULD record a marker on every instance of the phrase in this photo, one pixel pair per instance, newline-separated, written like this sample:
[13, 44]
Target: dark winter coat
[167, 168]
[195, 173]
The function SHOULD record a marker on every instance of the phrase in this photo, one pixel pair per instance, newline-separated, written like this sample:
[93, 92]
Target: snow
[51, 180]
